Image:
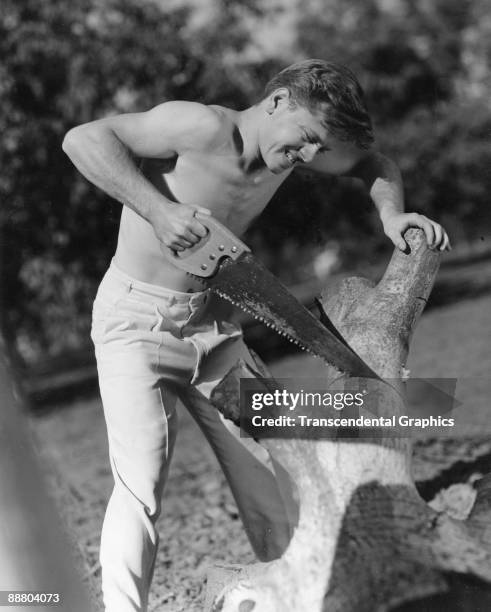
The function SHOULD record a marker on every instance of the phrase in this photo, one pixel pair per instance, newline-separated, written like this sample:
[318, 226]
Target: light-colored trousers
[153, 347]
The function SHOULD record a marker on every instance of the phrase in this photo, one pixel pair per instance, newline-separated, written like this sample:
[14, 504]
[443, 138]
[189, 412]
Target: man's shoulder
[201, 123]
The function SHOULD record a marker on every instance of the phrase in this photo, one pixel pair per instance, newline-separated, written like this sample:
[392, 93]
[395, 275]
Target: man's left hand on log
[396, 224]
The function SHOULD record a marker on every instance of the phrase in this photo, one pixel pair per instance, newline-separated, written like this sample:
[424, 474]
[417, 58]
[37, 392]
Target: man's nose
[309, 151]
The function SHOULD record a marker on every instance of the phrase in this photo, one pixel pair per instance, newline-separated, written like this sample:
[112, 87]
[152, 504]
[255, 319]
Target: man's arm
[104, 151]
[383, 181]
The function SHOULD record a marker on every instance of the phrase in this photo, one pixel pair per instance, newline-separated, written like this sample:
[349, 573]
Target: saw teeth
[262, 320]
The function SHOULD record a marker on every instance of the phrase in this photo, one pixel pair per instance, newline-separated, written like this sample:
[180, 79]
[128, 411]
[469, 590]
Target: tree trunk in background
[365, 540]
[34, 555]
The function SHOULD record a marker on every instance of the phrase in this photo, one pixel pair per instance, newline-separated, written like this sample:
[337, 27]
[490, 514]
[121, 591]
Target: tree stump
[365, 540]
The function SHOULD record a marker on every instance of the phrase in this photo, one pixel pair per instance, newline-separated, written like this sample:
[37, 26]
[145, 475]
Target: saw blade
[247, 284]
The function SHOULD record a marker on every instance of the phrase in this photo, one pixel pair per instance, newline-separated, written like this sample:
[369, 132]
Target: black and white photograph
[245, 341]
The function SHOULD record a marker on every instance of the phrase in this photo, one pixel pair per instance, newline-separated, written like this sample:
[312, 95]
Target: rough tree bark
[365, 539]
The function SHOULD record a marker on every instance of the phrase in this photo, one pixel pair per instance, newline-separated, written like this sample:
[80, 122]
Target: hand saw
[229, 269]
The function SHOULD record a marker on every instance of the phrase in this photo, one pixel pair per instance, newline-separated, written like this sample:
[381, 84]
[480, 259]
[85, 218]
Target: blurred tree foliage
[424, 66]
[68, 63]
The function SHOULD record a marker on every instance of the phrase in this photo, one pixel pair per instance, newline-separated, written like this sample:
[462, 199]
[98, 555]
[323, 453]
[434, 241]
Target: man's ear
[280, 97]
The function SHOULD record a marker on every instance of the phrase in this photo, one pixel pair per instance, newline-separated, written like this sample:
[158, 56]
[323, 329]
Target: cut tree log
[365, 540]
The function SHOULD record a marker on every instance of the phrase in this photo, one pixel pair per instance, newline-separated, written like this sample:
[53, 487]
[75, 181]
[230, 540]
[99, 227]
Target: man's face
[293, 135]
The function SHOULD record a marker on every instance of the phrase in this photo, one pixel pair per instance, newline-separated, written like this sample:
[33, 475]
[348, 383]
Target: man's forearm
[107, 163]
[384, 183]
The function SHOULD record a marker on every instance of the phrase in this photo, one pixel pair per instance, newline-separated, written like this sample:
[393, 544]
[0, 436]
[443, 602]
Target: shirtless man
[158, 336]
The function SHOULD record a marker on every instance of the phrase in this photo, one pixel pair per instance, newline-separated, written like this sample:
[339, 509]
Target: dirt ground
[199, 524]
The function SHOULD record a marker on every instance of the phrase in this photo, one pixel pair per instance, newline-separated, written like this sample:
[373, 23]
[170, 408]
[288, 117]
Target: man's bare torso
[208, 176]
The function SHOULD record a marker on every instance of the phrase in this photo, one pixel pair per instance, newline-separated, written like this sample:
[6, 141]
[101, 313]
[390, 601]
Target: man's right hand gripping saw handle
[202, 258]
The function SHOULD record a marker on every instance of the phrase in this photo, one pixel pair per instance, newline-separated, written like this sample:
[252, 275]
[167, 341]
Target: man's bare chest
[215, 182]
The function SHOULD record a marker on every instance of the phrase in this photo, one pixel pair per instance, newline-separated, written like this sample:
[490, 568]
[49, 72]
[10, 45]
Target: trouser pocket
[101, 311]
